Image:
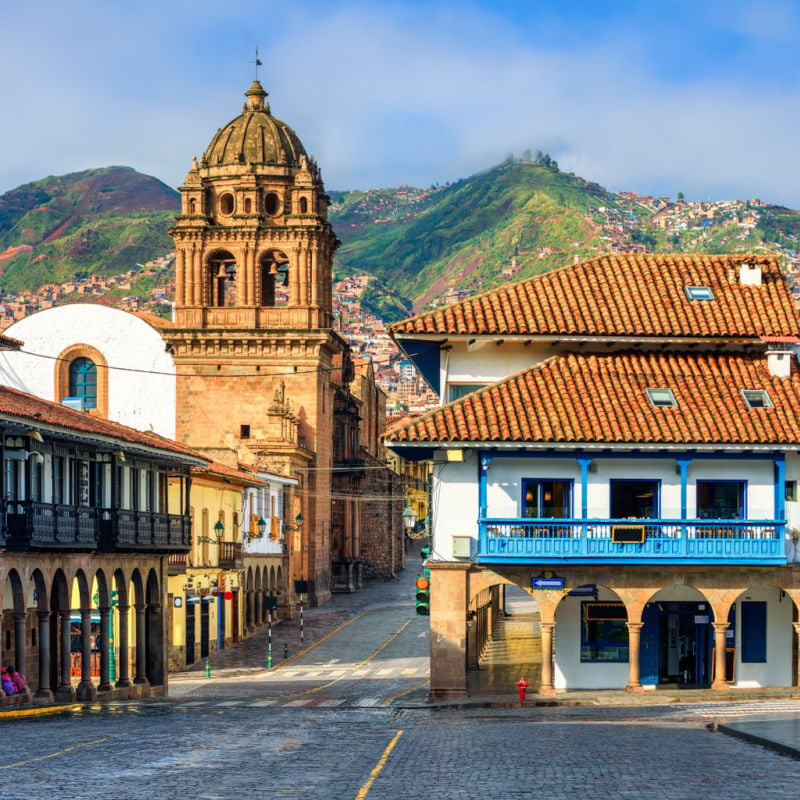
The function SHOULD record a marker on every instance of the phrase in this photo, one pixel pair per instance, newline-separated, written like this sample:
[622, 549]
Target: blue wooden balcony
[608, 541]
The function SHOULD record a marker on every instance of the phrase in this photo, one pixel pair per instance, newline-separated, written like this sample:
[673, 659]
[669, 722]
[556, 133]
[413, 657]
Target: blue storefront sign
[547, 581]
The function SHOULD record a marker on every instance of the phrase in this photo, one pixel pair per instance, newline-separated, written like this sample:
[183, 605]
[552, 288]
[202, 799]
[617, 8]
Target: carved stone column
[44, 692]
[64, 692]
[20, 640]
[86, 689]
[719, 683]
[546, 688]
[123, 668]
[634, 651]
[106, 643]
[140, 675]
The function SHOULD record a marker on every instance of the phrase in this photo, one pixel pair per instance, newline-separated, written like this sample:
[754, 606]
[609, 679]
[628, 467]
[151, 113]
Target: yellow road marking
[62, 752]
[378, 767]
[406, 691]
[385, 644]
[353, 669]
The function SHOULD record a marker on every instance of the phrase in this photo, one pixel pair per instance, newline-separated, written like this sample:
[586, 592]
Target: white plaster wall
[569, 672]
[454, 508]
[778, 669]
[141, 391]
[504, 492]
[487, 362]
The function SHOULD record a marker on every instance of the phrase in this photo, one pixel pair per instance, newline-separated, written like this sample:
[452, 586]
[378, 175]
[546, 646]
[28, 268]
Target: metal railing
[697, 540]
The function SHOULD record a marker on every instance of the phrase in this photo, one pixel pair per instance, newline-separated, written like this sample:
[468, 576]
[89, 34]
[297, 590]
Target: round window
[272, 204]
[226, 203]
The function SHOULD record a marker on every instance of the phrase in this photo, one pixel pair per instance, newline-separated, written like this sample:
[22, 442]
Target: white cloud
[392, 93]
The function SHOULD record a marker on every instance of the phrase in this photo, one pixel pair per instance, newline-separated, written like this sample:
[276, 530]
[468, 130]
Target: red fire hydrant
[522, 685]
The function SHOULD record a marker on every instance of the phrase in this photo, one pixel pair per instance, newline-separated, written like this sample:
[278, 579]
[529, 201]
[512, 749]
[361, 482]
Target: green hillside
[519, 218]
[99, 221]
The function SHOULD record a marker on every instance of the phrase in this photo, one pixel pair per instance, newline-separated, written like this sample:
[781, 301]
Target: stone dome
[254, 137]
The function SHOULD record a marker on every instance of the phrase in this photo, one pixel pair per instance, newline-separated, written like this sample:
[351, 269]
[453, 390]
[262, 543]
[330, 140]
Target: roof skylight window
[662, 398]
[699, 292]
[757, 398]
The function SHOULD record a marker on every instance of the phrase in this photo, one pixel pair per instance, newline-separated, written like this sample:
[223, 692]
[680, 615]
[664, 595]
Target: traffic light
[423, 587]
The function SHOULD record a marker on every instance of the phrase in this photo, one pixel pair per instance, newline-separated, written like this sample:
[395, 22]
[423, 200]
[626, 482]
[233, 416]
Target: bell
[273, 268]
[222, 272]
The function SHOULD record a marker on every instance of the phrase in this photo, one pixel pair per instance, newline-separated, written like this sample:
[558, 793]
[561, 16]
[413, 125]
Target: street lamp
[219, 529]
[298, 520]
[262, 527]
[409, 519]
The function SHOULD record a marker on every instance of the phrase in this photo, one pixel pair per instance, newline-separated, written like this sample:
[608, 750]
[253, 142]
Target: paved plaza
[346, 716]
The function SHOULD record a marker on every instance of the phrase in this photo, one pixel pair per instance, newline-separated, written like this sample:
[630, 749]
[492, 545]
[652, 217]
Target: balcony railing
[31, 524]
[230, 555]
[701, 541]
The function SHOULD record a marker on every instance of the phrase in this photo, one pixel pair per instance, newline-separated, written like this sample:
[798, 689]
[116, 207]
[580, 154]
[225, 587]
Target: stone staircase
[513, 652]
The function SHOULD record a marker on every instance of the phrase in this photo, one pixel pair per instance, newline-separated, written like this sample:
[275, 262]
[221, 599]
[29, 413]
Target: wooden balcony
[606, 541]
[46, 526]
[230, 555]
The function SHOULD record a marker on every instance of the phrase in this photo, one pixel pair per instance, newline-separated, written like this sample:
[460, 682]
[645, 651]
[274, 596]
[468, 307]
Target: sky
[701, 97]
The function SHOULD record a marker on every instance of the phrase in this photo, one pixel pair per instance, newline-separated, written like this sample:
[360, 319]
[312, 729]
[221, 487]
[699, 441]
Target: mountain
[102, 221]
[521, 218]
[422, 246]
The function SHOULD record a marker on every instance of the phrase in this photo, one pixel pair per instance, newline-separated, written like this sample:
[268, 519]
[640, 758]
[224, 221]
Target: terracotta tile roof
[625, 295]
[602, 398]
[37, 412]
[10, 343]
[224, 471]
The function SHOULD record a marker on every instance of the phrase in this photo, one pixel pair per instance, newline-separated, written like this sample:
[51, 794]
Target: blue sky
[655, 97]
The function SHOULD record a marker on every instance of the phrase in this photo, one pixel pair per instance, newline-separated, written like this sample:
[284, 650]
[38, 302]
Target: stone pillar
[546, 687]
[197, 279]
[634, 652]
[86, 689]
[21, 641]
[719, 683]
[123, 668]
[140, 675]
[44, 692]
[180, 278]
[315, 288]
[796, 626]
[449, 593]
[64, 692]
[106, 642]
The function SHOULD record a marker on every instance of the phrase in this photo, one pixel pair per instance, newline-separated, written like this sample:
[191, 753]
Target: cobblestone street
[346, 719]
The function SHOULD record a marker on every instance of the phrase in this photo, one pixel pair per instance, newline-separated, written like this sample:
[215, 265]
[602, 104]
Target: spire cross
[258, 63]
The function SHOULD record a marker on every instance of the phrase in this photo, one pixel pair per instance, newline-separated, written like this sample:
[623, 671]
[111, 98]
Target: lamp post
[262, 527]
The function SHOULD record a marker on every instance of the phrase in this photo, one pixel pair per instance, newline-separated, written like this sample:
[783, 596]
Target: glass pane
[634, 499]
[720, 499]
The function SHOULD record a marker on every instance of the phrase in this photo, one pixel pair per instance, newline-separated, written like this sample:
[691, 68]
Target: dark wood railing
[31, 524]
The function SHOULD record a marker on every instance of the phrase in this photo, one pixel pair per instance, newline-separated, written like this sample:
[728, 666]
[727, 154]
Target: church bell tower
[253, 318]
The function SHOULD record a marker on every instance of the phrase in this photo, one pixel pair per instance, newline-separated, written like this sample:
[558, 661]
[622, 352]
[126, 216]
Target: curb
[751, 738]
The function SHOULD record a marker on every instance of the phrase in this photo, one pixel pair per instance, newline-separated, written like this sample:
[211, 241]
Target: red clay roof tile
[625, 295]
[582, 398]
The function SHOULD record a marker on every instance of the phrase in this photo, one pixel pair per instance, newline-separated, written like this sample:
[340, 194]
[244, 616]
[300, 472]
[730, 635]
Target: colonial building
[91, 511]
[245, 372]
[253, 332]
[620, 439]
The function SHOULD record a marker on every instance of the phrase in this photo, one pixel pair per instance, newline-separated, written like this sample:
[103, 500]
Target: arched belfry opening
[254, 232]
[221, 279]
[275, 275]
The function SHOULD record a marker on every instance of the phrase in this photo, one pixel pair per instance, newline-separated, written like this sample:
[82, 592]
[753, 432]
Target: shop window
[754, 632]
[83, 381]
[720, 499]
[632, 499]
[547, 498]
[604, 632]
